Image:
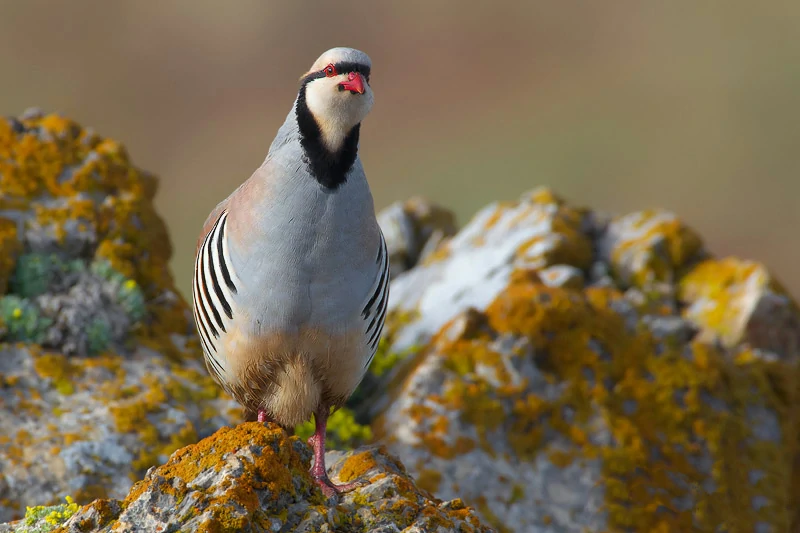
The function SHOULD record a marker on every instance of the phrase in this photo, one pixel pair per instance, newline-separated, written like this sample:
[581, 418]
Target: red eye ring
[330, 71]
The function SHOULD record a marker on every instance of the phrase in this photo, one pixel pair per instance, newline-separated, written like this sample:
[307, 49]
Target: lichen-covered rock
[254, 477]
[10, 245]
[100, 372]
[558, 387]
[737, 301]
[413, 230]
[92, 248]
[90, 427]
[648, 246]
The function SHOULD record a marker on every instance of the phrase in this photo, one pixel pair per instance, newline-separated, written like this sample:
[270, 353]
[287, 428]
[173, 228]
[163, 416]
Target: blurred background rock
[689, 106]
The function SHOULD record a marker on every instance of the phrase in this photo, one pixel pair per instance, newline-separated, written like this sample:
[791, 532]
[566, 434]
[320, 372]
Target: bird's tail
[297, 394]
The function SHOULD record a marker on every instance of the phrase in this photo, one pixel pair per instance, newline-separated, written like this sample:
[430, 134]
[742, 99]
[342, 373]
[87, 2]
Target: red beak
[354, 83]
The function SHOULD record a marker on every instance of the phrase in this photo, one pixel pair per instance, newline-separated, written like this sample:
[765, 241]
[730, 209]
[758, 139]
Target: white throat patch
[336, 112]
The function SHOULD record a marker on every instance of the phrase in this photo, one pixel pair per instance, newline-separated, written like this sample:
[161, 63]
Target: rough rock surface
[255, 478]
[414, 229]
[576, 372]
[99, 370]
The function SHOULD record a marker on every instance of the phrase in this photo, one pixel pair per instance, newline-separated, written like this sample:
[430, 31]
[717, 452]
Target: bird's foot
[329, 488]
[263, 416]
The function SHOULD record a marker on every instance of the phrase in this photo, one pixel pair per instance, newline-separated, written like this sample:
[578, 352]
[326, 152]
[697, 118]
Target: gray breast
[313, 256]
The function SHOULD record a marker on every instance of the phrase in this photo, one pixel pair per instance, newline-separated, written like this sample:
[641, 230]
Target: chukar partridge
[291, 273]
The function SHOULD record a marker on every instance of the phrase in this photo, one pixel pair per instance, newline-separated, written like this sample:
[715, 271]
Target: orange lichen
[564, 243]
[10, 247]
[95, 515]
[606, 370]
[721, 293]
[58, 369]
[89, 493]
[91, 180]
[356, 466]
[277, 468]
[491, 517]
[428, 479]
[544, 195]
[132, 412]
[661, 243]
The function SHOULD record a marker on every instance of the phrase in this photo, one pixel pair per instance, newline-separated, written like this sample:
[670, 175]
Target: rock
[100, 372]
[10, 245]
[413, 230]
[648, 246]
[598, 405]
[255, 478]
[473, 267]
[562, 276]
[735, 301]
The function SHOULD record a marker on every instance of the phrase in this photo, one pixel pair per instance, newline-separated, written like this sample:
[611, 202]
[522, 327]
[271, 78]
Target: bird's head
[337, 93]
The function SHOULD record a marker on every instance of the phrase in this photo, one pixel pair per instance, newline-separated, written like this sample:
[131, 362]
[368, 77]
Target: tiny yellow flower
[129, 285]
[17, 312]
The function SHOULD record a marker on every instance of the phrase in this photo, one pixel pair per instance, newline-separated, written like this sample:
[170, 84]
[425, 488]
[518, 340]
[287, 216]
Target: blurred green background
[691, 106]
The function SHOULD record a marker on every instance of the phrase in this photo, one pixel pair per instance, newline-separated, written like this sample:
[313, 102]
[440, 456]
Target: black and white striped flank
[212, 292]
[374, 313]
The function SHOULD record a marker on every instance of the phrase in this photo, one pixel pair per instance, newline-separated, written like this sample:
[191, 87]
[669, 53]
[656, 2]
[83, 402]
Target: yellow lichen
[428, 479]
[59, 369]
[719, 294]
[91, 180]
[356, 466]
[654, 246]
[10, 247]
[607, 371]
[277, 468]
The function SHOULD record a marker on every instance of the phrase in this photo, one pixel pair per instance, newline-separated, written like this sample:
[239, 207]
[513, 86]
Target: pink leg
[262, 416]
[318, 471]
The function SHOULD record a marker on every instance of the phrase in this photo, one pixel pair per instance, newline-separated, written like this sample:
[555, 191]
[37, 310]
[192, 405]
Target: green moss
[41, 519]
[343, 433]
[22, 320]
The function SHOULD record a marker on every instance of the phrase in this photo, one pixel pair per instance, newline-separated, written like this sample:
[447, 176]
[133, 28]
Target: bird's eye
[330, 71]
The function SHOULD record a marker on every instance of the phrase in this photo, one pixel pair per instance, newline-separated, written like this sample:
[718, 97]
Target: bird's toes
[330, 489]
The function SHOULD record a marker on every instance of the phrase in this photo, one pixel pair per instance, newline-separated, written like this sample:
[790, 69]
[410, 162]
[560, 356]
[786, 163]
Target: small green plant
[34, 273]
[98, 333]
[22, 319]
[129, 294]
[131, 298]
[103, 269]
[43, 518]
[343, 433]
[384, 360]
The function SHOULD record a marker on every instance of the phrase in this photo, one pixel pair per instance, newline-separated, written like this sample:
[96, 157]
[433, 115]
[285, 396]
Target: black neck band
[328, 168]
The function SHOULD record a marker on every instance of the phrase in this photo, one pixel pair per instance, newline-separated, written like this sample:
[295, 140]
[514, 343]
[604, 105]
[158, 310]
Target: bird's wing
[210, 221]
[374, 312]
[213, 288]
